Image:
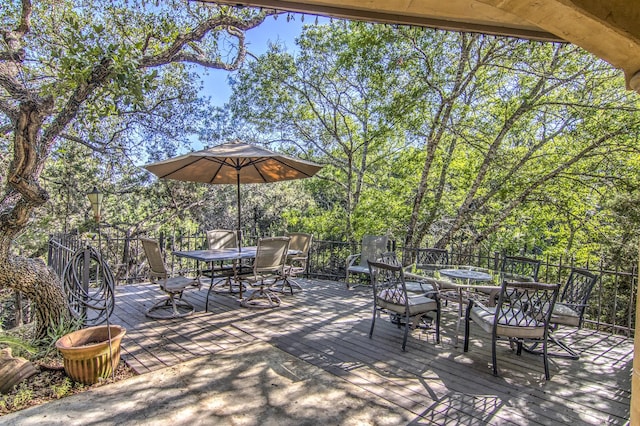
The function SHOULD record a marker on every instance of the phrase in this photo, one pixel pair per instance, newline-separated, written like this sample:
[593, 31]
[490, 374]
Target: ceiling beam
[500, 23]
[609, 29]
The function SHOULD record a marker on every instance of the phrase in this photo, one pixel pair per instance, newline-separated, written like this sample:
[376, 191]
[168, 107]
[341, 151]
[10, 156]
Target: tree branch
[233, 25]
[81, 141]
[9, 110]
[98, 76]
[25, 18]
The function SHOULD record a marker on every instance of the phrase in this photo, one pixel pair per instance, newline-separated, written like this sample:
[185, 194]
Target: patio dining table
[213, 256]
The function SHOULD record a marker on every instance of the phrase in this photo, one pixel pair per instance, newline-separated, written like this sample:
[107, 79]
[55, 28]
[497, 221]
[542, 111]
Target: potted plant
[91, 353]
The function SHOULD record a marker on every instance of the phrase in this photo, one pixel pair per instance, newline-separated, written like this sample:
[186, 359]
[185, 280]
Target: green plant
[56, 330]
[16, 343]
[23, 396]
[62, 389]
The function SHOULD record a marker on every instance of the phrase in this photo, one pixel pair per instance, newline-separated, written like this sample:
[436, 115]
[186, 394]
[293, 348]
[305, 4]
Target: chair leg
[171, 306]
[438, 322]
[287, 282]
[261, 299]
[545, 359]
[406, 331]
[467, 322]
[570, 353]
[373, 321]
[494, 356]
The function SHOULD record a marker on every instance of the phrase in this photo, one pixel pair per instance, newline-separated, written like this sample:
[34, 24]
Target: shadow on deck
[327, 326]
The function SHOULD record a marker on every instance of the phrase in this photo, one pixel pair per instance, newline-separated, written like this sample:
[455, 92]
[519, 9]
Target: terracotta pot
[86, 352]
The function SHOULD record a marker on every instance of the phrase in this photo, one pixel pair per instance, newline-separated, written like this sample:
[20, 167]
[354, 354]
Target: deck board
[328, 326]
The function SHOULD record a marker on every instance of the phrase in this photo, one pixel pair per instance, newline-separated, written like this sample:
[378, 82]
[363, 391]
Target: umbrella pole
[238, 198]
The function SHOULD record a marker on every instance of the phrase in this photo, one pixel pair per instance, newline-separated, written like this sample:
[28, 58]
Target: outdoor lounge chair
[523, 313]
[372, 247]
[390, 295]
[268, 268]
[295, 263]
[173, 306]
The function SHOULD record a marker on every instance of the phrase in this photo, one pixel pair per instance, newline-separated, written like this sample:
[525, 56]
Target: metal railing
[611, 305]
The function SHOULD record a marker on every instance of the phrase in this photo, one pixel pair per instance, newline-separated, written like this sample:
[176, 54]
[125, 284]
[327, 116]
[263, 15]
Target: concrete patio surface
[253, 384]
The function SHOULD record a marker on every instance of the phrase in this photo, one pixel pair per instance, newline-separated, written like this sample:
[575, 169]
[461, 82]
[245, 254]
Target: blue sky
[258, 40]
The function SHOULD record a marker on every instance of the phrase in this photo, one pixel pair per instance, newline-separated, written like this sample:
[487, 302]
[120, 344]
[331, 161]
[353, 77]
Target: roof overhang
[609, 29]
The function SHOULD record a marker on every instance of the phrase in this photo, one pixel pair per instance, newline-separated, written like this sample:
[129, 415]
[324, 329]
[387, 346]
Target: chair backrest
[518, 268]
[387, 282]
[524, 309]
[271, 254]
[577, 290]
[222, 238]
[431, 258]
[390, 258]
[372, 247]
[301, 242]
[154, 256]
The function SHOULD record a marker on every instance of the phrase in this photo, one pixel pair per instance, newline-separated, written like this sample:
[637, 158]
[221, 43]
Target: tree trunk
[41, 285]
[23, 193]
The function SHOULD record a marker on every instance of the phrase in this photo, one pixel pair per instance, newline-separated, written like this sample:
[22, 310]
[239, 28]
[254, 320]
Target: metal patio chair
[371, 248]
[268, 268]
[295, 263]
[390, 295]
[523, 313]
[570, 309]
[173, 306]
[221, 273]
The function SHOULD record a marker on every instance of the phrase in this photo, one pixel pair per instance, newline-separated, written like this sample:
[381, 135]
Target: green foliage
[441, 138]
[63, 389]
[17, 344]
[20, 399]
[55, 331]
[513, 144]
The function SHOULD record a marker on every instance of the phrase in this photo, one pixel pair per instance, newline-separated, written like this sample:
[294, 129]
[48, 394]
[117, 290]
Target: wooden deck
[327, 326]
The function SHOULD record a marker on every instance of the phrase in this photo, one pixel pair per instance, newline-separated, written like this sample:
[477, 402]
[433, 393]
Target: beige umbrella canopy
[234, 162]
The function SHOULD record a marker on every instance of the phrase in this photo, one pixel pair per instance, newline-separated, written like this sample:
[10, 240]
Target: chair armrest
[351, 259]
[573, 305]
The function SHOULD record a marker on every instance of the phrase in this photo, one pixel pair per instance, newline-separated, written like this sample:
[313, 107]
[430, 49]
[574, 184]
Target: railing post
[86, 264]
[127, 254]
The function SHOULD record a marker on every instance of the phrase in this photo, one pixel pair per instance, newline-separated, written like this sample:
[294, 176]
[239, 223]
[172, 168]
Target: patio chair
[570, 308]
[518, 268]
[221, 274]
[268, 267]
[222, 238]
[371, 248]
[390, 295]
[523, 313]
[173, 306]
[513, 268]
[424, 278]
[431, 259]
[296, 263]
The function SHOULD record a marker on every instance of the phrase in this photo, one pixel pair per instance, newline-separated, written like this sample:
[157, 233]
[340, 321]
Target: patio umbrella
[234, 163]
